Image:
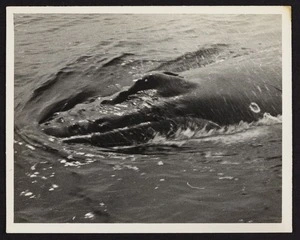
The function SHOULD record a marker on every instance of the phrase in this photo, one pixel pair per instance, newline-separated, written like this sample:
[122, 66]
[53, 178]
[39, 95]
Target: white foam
[228, 134]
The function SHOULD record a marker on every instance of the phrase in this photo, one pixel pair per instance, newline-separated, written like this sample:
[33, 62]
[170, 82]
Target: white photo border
[284, 226]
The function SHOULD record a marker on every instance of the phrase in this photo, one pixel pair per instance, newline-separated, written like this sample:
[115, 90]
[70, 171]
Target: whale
[220, 94]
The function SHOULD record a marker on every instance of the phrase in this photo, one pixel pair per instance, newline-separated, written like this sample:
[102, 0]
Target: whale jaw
[142, 133]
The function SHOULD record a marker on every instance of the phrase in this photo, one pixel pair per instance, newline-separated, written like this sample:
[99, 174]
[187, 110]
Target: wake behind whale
[220, 94]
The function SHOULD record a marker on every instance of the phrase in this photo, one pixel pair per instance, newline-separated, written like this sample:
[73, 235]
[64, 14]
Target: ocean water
[231, 175]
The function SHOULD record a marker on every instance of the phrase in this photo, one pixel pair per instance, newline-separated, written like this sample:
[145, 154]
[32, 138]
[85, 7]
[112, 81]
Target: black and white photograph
[149, 119]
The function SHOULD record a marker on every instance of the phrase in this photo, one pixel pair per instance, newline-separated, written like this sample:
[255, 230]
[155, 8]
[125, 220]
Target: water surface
[227, 176]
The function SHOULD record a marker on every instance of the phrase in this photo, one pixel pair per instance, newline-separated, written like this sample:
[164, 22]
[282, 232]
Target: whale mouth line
[165, 132]
[142, 132]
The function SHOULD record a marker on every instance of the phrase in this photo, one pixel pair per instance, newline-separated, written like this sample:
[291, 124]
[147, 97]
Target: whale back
[263, 68]
[242, 88]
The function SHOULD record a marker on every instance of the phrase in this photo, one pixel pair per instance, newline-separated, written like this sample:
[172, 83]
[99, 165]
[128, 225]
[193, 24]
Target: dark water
[64, 61]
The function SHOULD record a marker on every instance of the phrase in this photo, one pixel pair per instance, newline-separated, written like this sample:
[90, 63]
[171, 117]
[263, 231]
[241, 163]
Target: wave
[73, 68]
[74, 83]
[199, 58]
